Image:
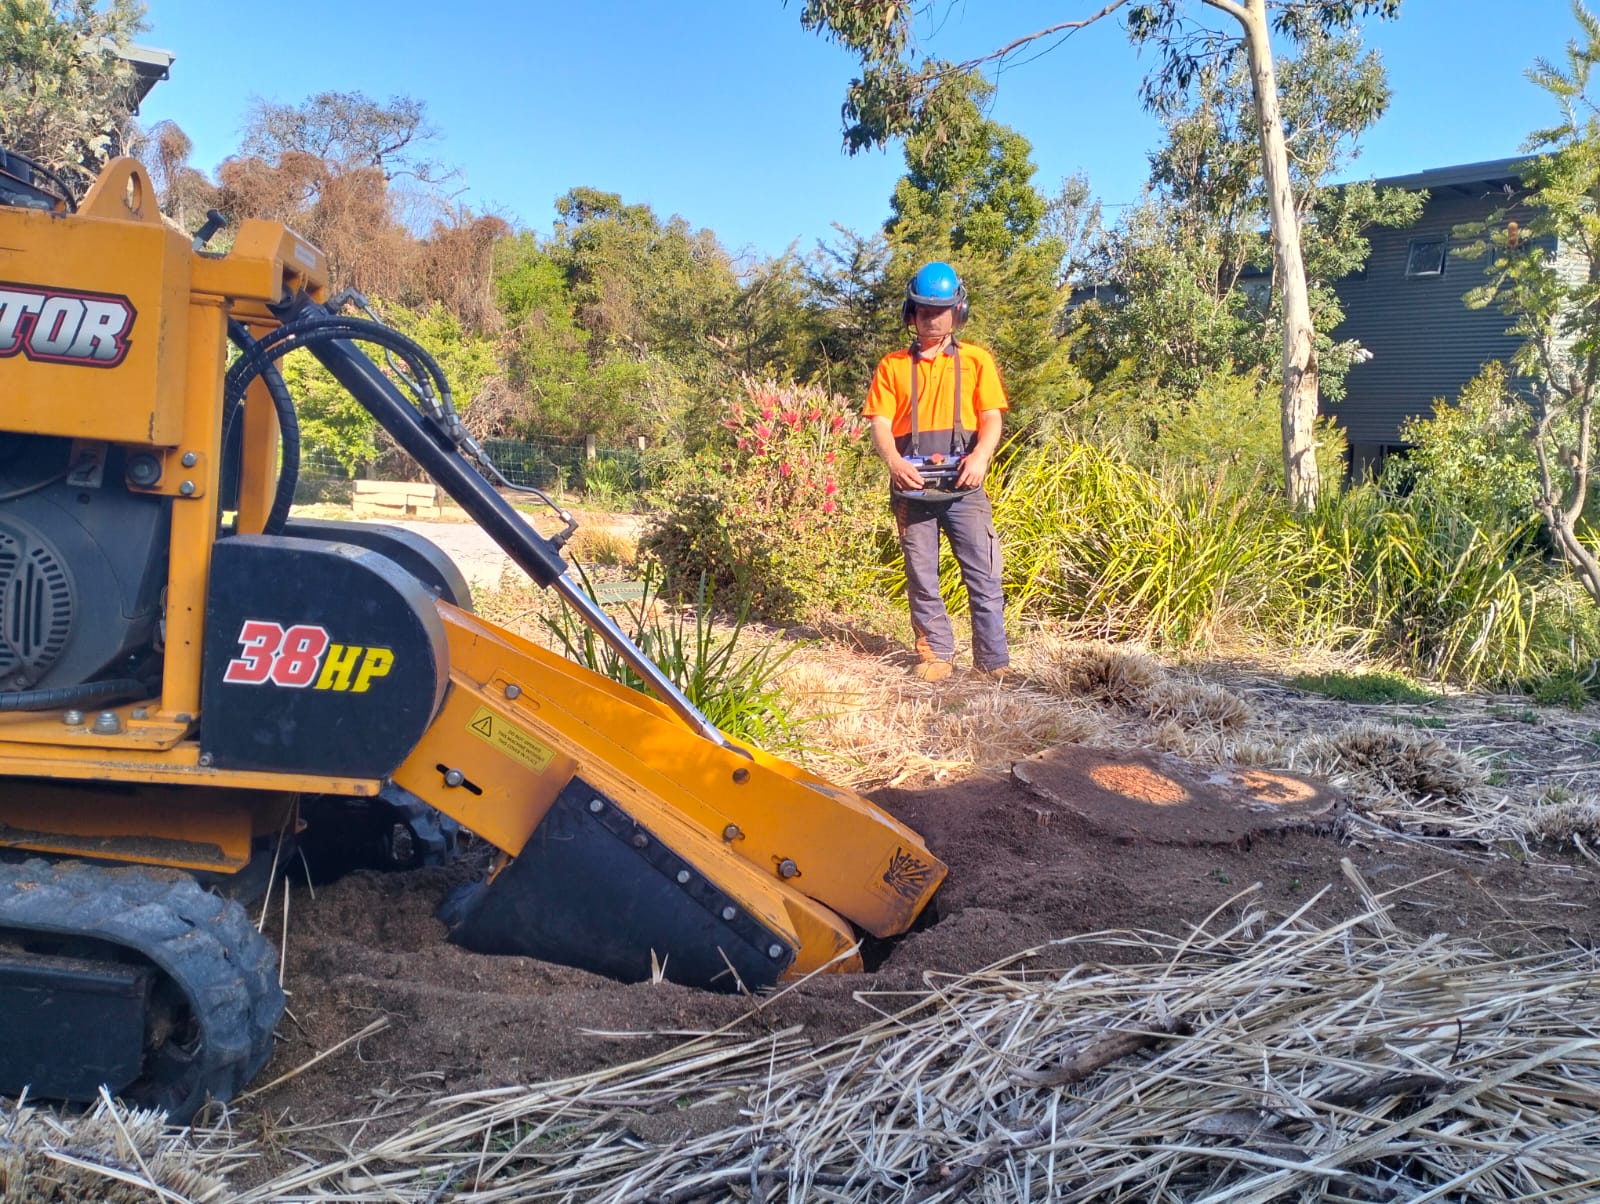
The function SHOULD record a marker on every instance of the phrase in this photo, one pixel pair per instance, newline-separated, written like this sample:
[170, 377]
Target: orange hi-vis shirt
[890, 396]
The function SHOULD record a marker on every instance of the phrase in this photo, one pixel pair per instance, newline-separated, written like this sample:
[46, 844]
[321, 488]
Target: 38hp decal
[62, 326]
[302, 656]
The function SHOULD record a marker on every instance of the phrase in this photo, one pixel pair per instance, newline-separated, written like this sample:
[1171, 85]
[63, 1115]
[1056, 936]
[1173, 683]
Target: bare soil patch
[367, 950]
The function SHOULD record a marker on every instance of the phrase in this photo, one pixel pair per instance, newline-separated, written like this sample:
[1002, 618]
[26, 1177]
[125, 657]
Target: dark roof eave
[1490, 173]
[150, 67]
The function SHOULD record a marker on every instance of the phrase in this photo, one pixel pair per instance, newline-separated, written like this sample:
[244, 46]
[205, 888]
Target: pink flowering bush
[786, 513]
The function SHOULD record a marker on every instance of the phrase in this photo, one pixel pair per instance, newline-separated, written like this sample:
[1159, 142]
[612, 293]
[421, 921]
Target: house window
[1426, 257]
[1257, 292]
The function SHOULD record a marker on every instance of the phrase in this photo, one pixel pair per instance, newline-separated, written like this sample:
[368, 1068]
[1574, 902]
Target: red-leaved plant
[786, 513]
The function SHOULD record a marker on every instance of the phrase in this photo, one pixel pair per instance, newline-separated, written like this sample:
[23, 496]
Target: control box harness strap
[953, 349]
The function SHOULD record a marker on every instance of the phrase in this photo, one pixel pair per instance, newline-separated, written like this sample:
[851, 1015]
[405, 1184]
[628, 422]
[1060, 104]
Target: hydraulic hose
[88, 694]
[288, 425]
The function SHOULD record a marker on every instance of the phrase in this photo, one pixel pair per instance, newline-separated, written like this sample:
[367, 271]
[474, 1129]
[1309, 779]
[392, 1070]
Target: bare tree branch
[1000, 55]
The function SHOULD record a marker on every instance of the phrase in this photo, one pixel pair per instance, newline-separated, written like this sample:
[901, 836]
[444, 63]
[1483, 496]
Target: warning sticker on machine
[510, 739]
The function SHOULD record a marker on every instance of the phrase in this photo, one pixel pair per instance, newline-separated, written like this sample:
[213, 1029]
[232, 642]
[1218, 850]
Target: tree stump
[1152, 797]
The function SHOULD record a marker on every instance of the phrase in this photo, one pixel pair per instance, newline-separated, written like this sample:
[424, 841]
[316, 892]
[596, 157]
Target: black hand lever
[215, 220]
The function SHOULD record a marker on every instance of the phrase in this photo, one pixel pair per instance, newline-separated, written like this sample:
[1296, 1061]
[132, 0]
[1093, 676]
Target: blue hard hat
[936, 284]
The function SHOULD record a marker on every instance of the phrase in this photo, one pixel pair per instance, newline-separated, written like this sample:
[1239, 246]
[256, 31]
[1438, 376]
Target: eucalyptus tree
[1195, 260]
[897, 88]
[1544, 270]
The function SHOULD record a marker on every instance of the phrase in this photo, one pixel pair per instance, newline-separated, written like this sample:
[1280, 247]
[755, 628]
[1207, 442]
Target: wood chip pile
[1256, 1060]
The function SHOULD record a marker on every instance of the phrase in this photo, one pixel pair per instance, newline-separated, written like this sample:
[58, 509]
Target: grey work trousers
[968, 523]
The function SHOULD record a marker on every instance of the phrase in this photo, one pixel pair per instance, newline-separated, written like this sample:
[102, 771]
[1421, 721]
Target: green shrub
[737, 691]
[611, 481]
[1474, 455]
[1227, 426]
[1451, 597]
[1363, 687]
[1184, 557]
[786, 515]
[1232, 427]
[1563, 689]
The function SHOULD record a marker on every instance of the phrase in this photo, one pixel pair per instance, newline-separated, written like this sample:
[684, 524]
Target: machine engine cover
[320, 658]
[81, 568]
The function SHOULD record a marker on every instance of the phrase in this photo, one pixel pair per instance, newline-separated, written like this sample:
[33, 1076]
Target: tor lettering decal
[63, 326]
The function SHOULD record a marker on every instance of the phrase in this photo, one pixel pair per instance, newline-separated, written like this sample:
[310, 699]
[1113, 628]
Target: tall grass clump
[1122, 553]
[786, 512]
[738, 690]
[1181, 557]
[1451, 597]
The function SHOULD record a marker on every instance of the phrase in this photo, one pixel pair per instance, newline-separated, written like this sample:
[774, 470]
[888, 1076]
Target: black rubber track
[203, 943]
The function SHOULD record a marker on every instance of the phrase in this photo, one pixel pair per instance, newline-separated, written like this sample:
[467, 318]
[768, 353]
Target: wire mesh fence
[317, 463]
[323, 478]
[555, 465]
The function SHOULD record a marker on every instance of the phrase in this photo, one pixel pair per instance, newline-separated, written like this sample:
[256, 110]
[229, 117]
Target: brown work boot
[1003, 675]
[931, 670]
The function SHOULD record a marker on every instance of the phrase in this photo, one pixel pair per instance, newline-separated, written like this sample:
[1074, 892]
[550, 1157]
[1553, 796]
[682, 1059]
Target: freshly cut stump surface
[1152, 797]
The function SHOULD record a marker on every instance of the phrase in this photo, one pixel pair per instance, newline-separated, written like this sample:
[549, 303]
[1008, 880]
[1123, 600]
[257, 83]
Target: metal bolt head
[683, 877]
[596, 806]
[513, 691]
[143, 470]
[72, 718]
[190, 459]
[187, 489]
[732, 832]
[639, 840]
[205, 760]
[741, 776]
[774, 951]
[107, 723]
[788, 869]
[728, 913]
[454, 777]
[141, 712]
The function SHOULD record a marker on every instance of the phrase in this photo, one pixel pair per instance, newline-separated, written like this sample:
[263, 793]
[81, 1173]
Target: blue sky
[726, 112]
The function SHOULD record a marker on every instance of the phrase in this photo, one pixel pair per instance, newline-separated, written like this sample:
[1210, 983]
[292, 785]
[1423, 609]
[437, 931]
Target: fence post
[588, 448]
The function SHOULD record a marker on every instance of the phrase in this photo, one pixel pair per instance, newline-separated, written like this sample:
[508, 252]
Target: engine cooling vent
[36, 609]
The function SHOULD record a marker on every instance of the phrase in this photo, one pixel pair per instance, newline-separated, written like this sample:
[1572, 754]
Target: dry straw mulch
[1255, 1060]
[111, 1155]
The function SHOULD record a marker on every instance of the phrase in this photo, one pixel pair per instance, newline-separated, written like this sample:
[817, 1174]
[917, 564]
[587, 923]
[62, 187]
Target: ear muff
[908, 309]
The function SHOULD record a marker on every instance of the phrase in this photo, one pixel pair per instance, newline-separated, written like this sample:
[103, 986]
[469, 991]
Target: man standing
[935, 411]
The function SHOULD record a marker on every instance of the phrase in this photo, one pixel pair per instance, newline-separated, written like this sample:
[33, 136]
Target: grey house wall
[1425, 342]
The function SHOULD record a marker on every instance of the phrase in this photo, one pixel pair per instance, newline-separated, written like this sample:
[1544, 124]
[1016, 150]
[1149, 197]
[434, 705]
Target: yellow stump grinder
[190, 678]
